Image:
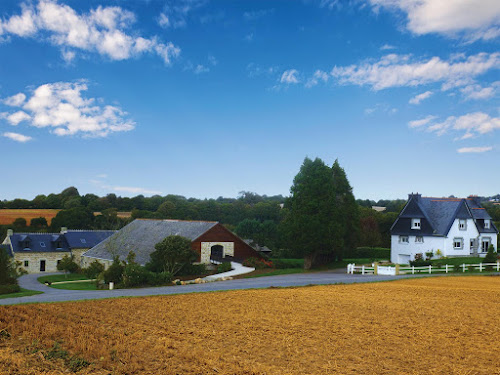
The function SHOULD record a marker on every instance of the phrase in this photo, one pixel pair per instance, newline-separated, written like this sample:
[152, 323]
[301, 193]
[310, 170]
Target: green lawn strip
[84, 285]
[273, 272]
[22, 293]
[458, 261]
[56, 278]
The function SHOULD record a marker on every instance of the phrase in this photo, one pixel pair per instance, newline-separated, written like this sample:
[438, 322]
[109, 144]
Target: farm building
[454, 226]
[41, 252]
[209, 239]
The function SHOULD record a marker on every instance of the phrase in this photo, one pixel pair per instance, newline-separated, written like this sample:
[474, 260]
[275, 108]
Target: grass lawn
[84, 285]
[22, 293]
[459, 261]
[274, 272]
[56, 278]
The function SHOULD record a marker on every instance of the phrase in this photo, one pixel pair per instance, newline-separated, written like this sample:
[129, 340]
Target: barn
[210, 239]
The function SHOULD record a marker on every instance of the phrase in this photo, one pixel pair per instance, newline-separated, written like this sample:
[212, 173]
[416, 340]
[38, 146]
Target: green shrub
[372, 253]
[9, 288]
[224, 267]
[94, 270]
[160, 278]
[288, 263]
[67, 265]
[114, 272]
[491, 256]
[258, 263]
[193, 270]
[134, 275]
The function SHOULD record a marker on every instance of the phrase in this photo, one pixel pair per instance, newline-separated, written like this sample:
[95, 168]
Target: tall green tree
[171, 254]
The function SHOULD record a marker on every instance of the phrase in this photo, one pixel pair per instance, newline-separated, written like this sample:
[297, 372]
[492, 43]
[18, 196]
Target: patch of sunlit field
[7, 216]
[441, 325]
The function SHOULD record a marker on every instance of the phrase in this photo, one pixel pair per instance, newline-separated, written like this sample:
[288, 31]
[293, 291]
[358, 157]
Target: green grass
[56, 278]
[283, 271]
[85, 285]
[459, 261]
[22, 293]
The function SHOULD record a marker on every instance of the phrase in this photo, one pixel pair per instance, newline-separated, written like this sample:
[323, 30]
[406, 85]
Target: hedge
[372, 252]
[10, 288]
[288, 263]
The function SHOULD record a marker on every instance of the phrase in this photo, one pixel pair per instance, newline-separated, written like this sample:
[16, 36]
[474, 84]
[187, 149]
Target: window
[26, 263]
[58, 244]
[457, 243]
[403, 239]
[42, 244]
[26, 245]
[58, 261]
[486, 224]
[472, 243]
[419, 239]
[415, 223]
[83, 240]
[462, 224]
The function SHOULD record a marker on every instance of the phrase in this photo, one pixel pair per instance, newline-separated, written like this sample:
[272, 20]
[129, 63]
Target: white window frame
[460, 241]
[419, 239]
[415, 224]
[486, 224]
[404, 239]
[488, 241]
[462, 224]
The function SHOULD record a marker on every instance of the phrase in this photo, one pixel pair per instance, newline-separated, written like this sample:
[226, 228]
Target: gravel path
[316, 278]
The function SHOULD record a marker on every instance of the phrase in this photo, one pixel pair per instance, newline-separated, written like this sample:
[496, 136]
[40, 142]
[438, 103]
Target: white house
[454, 226]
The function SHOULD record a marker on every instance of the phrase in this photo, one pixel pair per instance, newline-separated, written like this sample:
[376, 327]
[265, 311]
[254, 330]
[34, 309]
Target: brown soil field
[7, 216]
[120, 214]
[442, 325]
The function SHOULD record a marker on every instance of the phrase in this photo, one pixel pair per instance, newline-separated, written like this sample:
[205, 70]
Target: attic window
[415, 223]
[486, 224]
[26, 245]
[83, 240]
[42, 244]
[58, 244]
[462, 224]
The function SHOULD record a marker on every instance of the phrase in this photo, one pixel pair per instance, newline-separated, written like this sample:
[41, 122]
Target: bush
[257, 263]
[372, 253]
[10, 288]
[134, 275]
[193, 270]
[288, 263]
[114, 272]
[224, 267]
[491, 256]
[67, 265]
[94, 270]
[160, 278]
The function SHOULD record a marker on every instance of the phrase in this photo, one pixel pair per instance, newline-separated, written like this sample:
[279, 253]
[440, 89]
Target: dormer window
[415, 223]
[83, 240]
[462, 224]
[486, 224]
[42, 244]
[26, 244]
[58, 245]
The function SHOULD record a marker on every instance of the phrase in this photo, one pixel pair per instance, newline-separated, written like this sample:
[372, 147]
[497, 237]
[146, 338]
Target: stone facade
[34, 261]
[206, 250]
[86, 261]
[77, 256]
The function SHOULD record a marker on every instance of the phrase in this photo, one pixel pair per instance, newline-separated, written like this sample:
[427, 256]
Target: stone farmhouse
[454, 226]
[209, 239]
[41, 252]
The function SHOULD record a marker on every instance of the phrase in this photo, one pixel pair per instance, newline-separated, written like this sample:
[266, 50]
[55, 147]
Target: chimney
[64, 230]
[475, 199]
[10, 232]
[415, 196]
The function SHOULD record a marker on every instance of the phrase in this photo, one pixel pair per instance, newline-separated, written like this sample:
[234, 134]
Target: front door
[216, 252]
[485, 245]
[42, 266]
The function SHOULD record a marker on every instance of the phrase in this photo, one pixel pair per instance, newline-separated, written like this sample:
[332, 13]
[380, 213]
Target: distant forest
[250, 215]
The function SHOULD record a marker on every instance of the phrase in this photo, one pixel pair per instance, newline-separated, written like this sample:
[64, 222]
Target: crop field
[7, 216]
[441, 325]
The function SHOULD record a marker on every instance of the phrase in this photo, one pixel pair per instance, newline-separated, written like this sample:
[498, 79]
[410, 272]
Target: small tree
[8, 274]
[67, 265]
[172, 254]
[490, 257]
[94, 270]
[115, 272]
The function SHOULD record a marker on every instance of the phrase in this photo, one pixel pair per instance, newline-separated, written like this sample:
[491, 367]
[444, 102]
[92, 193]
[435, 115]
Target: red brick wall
[220, 234]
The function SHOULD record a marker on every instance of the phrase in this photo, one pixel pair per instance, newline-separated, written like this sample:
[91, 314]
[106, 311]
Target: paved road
[59, 295]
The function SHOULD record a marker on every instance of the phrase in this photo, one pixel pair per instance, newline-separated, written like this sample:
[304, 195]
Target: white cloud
[104, 30]
[477, 92]
[212, 60]
[471, 124]
[387, 47]
[466, 150]
[289, 77]
[257, 14]
[421, 122]
[17, 137]
[61, 107]
[200, 69]
[134, 190]
[478, 19]
[163, 20]
[398, 70]
[15, 101]
[420, 97]
[176, 12]
[318, 76]
[255, 70]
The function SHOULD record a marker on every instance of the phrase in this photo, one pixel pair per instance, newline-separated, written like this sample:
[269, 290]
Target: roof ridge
[178, 220]
[90, 230]
[35, 233]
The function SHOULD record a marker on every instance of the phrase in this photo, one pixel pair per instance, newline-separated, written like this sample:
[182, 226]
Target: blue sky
[208, 98]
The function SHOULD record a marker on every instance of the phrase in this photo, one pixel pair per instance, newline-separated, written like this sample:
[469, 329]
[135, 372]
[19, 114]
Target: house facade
[210, 240]
[457, 227]
[41, 252]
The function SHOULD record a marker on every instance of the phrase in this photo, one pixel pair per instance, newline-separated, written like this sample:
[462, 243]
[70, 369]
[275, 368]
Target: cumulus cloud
[477, 92]
[176, 12]
[420, 97]
[473, 20]
[475, 150]
[289, 77]
[15, 100]
[103, 30]
[17, 137]
[400, 70]
[318, 76]
[61, 107]
[421, 122]
[387, 47]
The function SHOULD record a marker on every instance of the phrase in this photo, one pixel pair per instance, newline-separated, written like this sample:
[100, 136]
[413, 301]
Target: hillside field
[7, 216]
[439, 325]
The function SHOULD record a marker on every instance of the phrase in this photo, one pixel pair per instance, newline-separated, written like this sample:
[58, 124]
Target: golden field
[442, 325]
[7, 216]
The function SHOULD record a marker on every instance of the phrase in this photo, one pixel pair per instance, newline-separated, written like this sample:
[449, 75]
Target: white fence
[352, 268]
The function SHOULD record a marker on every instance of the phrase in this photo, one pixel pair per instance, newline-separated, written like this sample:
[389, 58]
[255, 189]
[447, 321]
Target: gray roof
[86, 238]
[38, 243]
[141, 236]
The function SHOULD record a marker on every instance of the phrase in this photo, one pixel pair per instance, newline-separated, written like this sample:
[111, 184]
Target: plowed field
[7, 216]
[443, 325]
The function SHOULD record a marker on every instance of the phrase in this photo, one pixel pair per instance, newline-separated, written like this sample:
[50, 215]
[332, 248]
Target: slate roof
[86, 239]
[438, 214]
[141, 236]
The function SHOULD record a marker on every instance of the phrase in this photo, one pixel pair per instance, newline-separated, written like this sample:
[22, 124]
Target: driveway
[316, 278]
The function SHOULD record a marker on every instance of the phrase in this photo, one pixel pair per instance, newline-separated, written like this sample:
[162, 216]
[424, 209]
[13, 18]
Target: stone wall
[206, 249]
[34, 260]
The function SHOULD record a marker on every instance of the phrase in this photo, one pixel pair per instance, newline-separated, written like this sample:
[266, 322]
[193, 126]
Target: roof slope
[86, 238]
[141, 236]
[38, 242]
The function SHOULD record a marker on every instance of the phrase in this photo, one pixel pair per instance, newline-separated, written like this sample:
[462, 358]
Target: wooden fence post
[498, 266]
[480, 267]
[375, 268]
[397, 269]
[413, 270]
[463, 267]
[363, 269]
[430, 268]
[446, 266]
